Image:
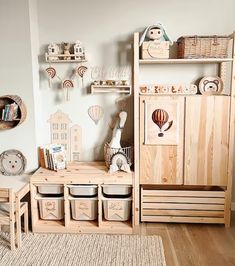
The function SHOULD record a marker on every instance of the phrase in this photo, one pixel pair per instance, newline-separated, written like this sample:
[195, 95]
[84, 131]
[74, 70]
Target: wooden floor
[191, 244]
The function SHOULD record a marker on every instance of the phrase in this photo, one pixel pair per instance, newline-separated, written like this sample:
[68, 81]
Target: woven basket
[109, 152]
[203, 47]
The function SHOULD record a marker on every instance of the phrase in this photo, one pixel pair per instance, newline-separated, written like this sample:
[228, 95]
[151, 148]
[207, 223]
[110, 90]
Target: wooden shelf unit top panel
[82, 173]
[185, 61]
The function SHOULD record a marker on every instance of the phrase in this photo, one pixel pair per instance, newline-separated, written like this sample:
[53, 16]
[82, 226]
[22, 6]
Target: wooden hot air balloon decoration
[163, 120]
[160, 117]
[96, 112]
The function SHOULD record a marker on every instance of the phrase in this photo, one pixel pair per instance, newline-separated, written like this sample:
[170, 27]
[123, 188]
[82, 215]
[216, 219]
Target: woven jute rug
[88, 250]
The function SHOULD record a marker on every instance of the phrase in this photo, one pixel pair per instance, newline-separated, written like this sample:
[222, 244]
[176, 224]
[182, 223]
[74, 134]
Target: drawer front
[84, 209]
[51, 209]
[117, 209]
[182, 206]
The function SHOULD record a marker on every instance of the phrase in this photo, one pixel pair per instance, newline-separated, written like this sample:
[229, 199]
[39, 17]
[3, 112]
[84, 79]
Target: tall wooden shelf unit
[189, 180]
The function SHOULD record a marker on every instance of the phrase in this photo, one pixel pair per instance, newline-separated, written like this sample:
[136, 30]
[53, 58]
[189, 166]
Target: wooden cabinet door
[206, 140]
[161, 139]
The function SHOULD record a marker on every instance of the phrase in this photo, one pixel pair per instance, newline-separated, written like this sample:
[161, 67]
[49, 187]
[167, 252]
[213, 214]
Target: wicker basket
[203, 47]
[109, 152]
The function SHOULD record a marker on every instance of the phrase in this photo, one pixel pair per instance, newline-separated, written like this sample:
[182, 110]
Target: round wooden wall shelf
[12, 111]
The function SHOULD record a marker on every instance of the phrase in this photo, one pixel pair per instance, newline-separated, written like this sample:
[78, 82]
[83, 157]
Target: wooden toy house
[60, 130]
[79, 51]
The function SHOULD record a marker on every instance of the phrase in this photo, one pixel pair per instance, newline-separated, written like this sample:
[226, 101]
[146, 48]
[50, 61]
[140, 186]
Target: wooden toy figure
[53, 50]
[119, 160]
[155, 42]
[117, 131]
[79, 51]
[66, 50]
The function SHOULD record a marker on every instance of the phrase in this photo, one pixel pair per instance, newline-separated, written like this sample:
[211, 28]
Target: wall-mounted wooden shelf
[185, 61]
[111, 89]
[62, 60]
[21, 111]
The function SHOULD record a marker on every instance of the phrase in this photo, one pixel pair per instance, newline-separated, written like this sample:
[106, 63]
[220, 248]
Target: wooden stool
[11, 212]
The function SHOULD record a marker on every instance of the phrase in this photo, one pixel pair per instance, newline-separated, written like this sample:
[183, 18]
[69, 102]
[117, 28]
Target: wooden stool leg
[12, 235]
[18, 223]
[12, 219]
[26, 221]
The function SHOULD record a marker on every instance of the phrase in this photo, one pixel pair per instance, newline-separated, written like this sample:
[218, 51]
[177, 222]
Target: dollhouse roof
[59, 117]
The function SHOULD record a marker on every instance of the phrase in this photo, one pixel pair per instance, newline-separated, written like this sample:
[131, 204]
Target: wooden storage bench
[93, 173]
[190, 205]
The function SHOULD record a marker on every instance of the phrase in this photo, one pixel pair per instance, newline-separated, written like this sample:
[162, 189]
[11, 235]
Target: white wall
[106, 29]
[16, 76]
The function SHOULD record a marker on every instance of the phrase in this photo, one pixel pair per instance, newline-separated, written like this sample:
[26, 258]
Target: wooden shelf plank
[185, 61]
[111, 89]
[66, 61]
[111, 86]
[47, 57]
[14, 120]
[108, 227]
[182, 219]
[82, 173]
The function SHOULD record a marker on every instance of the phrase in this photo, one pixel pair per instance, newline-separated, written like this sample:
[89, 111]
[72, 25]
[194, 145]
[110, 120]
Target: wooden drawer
[186, 206]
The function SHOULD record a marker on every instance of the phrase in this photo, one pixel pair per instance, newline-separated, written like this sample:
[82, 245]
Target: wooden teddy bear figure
[66, 50]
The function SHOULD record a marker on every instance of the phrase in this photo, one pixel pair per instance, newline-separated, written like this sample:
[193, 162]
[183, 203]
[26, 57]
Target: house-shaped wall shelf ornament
[69, 136]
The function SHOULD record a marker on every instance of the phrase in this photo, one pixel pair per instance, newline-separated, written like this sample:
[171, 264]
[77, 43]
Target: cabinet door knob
[164, 179]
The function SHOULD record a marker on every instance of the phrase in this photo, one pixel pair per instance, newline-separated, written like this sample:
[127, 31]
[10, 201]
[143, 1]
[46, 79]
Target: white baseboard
[233, 206]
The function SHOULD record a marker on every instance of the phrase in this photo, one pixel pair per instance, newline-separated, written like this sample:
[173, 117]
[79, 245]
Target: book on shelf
[9, 112]
[53, 157]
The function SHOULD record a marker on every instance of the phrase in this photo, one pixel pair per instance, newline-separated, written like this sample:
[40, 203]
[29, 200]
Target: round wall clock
[12, 162]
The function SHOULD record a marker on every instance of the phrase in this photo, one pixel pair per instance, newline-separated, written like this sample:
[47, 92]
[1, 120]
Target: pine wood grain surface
[195, 244]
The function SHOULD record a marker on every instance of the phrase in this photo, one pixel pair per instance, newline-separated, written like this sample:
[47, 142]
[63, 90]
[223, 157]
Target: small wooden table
[20, 186]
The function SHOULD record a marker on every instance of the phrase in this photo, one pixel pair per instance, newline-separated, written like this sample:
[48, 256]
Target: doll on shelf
[155, 32]
[155, 42]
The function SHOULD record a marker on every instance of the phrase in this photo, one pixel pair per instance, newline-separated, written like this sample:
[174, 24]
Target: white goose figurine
[117, 131]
